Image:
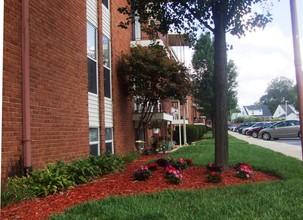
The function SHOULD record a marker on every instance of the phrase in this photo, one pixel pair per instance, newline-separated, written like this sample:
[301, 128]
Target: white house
[286, 112]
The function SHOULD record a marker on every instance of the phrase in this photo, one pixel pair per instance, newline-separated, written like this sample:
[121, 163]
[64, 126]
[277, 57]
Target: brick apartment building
[62, 98]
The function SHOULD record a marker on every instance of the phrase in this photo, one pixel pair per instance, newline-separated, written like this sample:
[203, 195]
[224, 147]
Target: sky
[263, 55]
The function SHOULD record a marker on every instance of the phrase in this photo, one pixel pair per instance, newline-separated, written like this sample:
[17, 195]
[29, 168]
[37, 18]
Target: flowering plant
[142, 173]
[214, 168]
[162, 162]
[214, 177]
[173, 174]
[189, 162]
[179, 164]
[152, 166]
[244, 171]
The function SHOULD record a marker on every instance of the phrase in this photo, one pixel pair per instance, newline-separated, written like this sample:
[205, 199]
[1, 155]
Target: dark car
[254, 131]
[257, 124]
[245, 125]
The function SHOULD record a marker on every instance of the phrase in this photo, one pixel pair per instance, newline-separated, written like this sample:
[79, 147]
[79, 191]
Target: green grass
[270, 200]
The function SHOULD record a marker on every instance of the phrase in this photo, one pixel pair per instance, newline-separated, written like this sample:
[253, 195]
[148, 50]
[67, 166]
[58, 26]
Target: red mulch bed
[121, 184]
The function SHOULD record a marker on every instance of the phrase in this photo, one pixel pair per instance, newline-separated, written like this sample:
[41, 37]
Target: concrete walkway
[287, 149]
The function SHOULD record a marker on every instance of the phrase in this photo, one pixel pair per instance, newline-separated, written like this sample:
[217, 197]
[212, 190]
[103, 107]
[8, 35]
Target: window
[105, 3]
[109, 140]
[107, 83]
[92, 76]
[94, 141]
[106, 55]
[106, 67]
[92, 58]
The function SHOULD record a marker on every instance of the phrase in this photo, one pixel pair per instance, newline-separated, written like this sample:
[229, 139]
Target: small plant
[214, 168]
[189, 162]
[162, 162]
[142, 173]
[173, 174]
[244, 171]
[179, 164]
[147, 151]
[214, 177]
[152, 166]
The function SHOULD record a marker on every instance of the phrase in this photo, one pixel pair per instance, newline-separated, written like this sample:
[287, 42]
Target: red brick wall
[12, 96]
[58, 82]
[124, 134]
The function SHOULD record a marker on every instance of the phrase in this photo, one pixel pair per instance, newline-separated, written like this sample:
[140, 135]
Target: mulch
[122, 184]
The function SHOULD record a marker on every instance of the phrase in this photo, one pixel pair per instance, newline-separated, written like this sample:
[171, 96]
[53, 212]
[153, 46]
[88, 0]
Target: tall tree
[151, 76]
[203, 64]
[279, 90]
[219, 17]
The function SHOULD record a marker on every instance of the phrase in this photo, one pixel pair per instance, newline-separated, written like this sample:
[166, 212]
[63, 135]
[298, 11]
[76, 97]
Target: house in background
[258, 111]
[286, 112]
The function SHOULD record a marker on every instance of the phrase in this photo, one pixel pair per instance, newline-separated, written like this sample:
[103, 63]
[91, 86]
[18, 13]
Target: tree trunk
[220, 89]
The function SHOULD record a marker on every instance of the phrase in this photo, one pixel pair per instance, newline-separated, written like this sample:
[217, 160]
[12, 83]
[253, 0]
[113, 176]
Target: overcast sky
[265, 54]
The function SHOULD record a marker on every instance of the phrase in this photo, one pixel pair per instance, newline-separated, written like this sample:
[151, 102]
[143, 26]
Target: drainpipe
[26, 139]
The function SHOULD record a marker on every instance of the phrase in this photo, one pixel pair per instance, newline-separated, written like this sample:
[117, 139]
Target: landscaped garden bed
[123, 184]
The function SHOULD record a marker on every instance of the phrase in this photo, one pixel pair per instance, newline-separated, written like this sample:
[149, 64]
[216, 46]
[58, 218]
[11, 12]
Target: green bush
[59, 176]
[194, 133]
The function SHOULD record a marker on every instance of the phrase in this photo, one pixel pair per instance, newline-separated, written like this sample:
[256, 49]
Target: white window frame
[96, 58]
[111, 140]
[95, 142]
[108, 67]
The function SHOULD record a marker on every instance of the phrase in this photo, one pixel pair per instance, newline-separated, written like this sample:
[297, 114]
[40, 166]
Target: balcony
[159, 113]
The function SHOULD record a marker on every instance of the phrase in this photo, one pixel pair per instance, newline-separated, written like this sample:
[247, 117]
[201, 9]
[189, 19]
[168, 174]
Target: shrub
[211, 167]
[142, 173]
[214, 177]
[59, 176]
[244, 171]
[173, 174]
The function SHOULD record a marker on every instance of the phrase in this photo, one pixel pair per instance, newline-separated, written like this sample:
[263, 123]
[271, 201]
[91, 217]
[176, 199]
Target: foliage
[173, 174]
[203, 64]
[218, 17]
[214, 177]
[59, 176]
[162, 162]
[147, 151]
[143, 173]
[193, 132]
[211, 167]
[278, 91]
[244, 171]
[152, 77]
[131, 157]
[268, 200]
[172, 169]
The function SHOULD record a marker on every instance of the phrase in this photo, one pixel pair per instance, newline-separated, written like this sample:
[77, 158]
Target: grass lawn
[269, 200]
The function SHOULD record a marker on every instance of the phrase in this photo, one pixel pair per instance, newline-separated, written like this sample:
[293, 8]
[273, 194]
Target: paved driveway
[289, 149]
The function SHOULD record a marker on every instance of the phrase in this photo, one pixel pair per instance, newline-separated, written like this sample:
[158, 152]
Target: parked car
[283, 129]
[258, 124]
[254, 132]
[231, 126]
[245, 125]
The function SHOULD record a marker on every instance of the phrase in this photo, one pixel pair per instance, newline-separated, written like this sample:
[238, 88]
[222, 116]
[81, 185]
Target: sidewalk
[286, 149]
